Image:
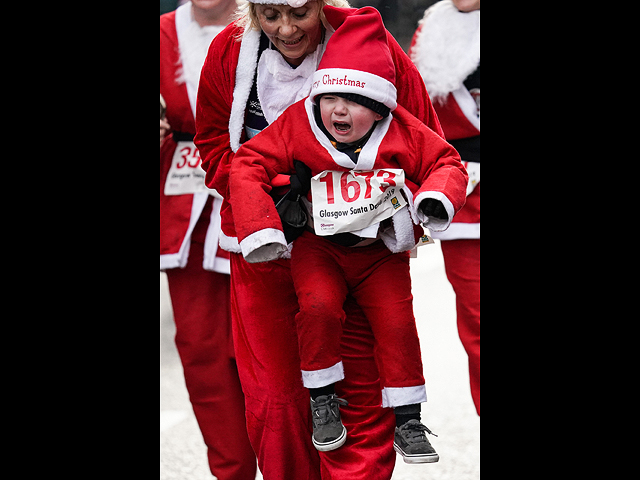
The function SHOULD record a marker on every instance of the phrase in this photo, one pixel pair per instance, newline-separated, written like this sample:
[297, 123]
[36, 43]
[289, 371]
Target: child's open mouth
[341, 127]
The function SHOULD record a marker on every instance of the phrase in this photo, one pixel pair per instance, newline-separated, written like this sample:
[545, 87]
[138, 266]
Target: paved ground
[449, 411]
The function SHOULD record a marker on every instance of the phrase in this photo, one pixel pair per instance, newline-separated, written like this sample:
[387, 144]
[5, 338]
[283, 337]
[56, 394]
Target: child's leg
[404, 413]
[322, 391]
[383, 291]
[321, 292]
[410, 439]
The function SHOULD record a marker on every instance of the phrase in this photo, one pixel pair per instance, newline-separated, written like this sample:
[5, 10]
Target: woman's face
[295, 32]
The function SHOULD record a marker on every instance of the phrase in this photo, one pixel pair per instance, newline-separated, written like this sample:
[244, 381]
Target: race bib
[352, 201]
[185, 175]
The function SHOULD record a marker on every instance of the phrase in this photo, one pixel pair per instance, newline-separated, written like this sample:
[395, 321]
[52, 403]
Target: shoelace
[324, 412]
[416, 432]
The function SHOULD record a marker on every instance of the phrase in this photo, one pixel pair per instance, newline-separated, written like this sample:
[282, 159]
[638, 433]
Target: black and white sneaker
[328, 431]
[411, 442]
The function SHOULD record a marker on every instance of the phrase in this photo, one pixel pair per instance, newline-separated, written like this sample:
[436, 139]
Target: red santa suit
[398, 141]
[263, 297]
[197, 270]
[446, 50]
[356, 61]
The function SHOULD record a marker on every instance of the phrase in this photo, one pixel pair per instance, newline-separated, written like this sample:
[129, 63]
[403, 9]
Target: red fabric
[278, 410]
[462, 264]
[175, 210]
[359, 42]
[357, 58]
[455, 126]
[426, 159]
[462, 257]
[215, 98]
[470, 213]
[324, 273]
[179, 114]
[264, 305]
[200, 301]
[454, 122]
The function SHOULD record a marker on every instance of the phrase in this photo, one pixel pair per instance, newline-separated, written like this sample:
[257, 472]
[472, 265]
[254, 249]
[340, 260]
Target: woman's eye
[270, 15]
[300, 13]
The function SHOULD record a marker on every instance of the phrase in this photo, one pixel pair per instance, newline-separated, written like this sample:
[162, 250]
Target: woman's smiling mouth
[291, 43]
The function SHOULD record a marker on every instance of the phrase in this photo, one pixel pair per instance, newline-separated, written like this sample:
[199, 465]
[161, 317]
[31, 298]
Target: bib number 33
[351, 201]
[185, 175]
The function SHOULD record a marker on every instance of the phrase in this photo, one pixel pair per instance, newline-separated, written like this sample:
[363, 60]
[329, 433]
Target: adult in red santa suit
[197, 270]
[254, 70]
[446, 50]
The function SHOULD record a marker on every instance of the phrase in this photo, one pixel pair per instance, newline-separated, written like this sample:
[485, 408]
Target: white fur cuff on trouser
[324, 377]
[396, 397]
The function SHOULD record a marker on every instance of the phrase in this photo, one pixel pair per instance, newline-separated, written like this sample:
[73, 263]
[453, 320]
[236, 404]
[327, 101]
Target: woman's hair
[246, 13]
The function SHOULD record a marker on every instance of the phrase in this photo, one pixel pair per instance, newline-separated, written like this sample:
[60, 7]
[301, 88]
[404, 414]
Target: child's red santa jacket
[179, 213]
[398, 141]
[225, 84]
[446, 49]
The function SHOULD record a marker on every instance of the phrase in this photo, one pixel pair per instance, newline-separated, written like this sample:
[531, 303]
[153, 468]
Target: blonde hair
[246, 15]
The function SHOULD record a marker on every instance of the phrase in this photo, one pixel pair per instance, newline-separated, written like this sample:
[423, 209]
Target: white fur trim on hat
[291, 3]
[344, 80]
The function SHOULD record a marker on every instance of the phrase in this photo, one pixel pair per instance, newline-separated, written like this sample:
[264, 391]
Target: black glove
[433, 208]
[301, 181]
[292, 212]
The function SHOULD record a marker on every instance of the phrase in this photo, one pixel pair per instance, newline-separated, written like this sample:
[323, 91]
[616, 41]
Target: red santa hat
[357, 60]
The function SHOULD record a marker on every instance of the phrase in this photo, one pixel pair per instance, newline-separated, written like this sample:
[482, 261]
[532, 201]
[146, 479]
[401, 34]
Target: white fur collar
[246, 69]
[447, 48]
[280, 85]
[193, 42]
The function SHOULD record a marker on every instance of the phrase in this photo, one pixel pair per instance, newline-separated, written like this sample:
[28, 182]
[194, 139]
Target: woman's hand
[164, 128]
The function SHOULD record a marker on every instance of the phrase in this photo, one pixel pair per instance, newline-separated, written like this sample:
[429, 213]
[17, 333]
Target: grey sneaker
[411, 442]
[328, 431]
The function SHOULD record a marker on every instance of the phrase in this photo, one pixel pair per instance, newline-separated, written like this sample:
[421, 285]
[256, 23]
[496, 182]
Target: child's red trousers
[324, 273]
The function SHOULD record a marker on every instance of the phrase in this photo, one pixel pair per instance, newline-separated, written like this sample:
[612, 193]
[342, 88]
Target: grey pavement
[449, 411]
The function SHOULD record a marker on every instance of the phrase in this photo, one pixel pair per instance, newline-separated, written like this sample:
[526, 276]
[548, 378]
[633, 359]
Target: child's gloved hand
[301, 181]
[433, 208]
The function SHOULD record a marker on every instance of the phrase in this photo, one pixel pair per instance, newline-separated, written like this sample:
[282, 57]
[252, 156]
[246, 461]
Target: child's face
[345, 120]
